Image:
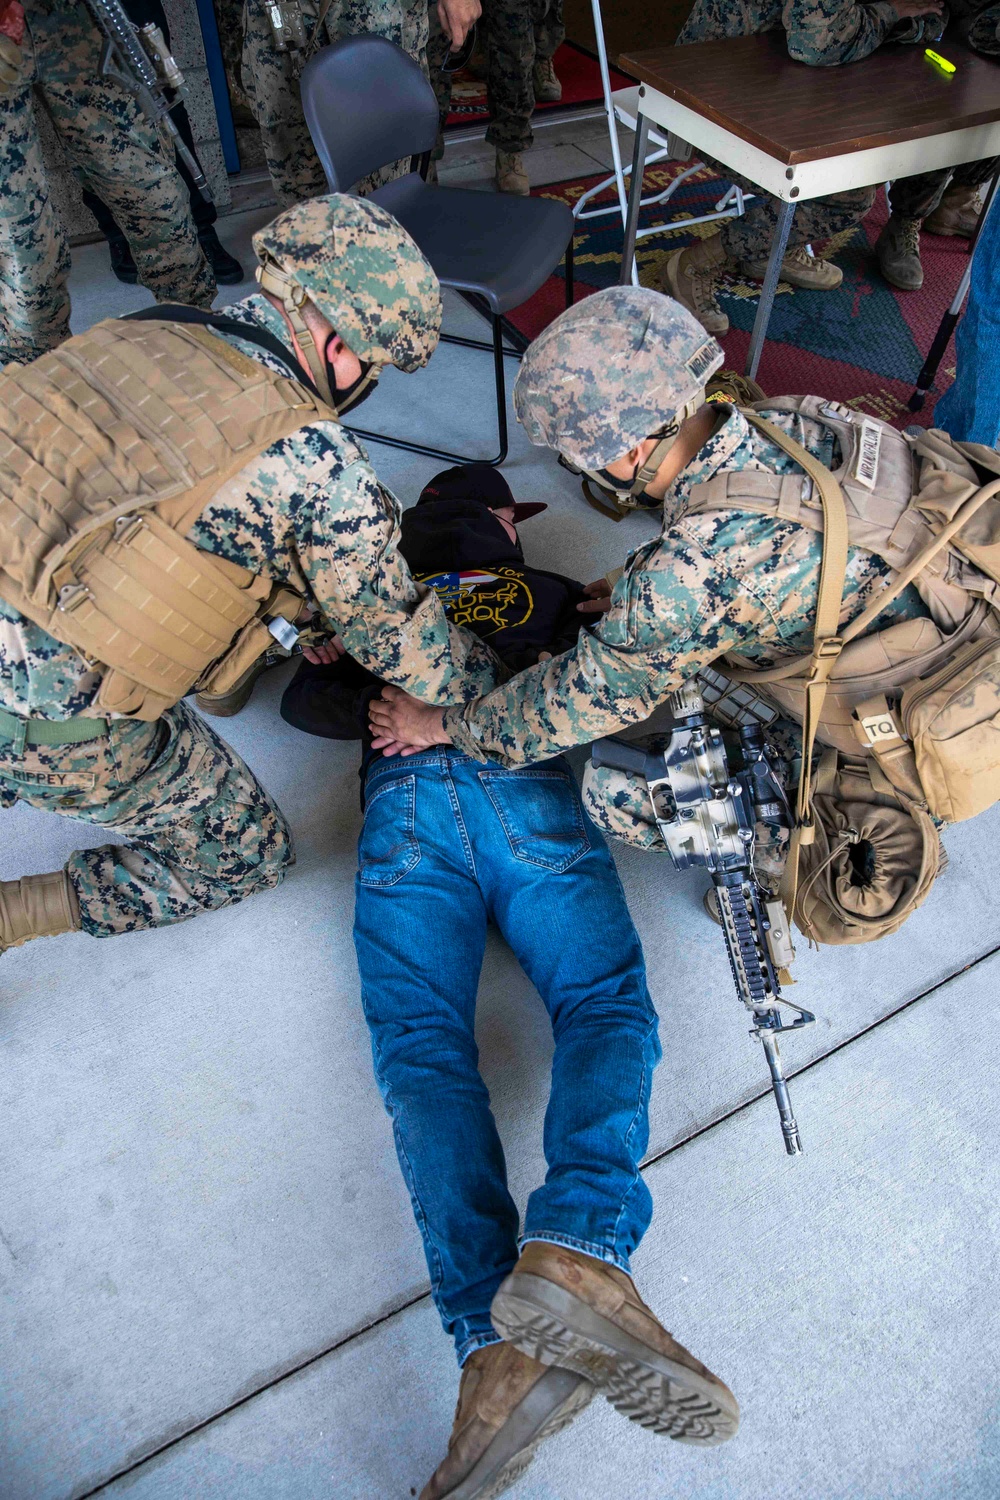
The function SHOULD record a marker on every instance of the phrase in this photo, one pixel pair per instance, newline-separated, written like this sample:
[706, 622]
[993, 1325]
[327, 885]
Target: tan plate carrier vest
[919, 701]
[111, 446]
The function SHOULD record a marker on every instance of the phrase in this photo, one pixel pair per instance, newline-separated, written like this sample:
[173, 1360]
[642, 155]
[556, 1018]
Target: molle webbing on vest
[110, 448]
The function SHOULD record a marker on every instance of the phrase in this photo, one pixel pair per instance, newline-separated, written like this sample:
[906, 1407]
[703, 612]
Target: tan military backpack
[911, 713]
[110, 447]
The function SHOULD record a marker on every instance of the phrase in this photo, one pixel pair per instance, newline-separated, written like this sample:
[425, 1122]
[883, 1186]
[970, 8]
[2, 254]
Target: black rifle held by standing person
[141, 61]
[707, 815]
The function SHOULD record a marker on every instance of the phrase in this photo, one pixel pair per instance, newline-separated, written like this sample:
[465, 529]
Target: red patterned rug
[576, 70]
[863, 344]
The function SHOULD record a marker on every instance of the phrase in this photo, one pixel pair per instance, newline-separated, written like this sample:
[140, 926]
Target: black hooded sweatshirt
[461, 550]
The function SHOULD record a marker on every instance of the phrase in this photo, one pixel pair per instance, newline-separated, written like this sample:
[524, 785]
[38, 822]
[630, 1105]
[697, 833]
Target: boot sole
[550, 1405]
[550, 1324]
[670, 276]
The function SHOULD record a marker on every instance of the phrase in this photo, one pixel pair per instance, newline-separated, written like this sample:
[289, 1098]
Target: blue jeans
[447, 844]
[970, 410]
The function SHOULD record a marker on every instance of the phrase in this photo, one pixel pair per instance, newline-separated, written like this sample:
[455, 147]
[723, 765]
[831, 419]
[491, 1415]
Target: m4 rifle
[707, 815]
[139, 59]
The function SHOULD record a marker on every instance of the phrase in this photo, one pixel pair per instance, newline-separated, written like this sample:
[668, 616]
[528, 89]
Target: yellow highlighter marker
[939, 61]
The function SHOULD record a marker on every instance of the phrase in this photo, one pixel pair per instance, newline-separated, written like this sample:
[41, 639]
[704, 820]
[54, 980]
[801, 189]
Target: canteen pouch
[872, 861]
[952, 720]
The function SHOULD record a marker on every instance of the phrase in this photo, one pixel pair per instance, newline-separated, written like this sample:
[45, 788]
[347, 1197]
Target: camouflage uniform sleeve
[311, 512]
[676, 608]
[823, 33]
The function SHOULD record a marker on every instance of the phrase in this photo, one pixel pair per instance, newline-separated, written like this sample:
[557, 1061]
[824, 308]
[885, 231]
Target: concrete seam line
[415, 1301]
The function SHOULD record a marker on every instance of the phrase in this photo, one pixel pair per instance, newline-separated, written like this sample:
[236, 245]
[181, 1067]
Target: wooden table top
[752, 88]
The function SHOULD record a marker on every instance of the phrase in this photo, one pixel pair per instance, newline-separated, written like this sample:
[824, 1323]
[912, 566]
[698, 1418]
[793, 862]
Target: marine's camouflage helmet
[611, 371]
[363, 272]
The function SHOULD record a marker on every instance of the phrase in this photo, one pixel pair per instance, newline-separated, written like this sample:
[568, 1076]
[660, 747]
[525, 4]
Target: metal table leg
[634, 199]
[767, 291]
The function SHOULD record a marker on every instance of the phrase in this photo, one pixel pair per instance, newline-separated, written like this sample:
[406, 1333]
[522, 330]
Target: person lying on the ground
[460, 539]
[447, 845]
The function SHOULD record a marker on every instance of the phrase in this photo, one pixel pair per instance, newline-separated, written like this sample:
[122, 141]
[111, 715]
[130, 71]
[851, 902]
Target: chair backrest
[367, 103]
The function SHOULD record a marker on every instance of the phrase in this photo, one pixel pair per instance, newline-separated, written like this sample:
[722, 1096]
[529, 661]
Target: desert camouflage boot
[510, 174]
[898, 251]
[507, 1404]
[577, 1312]
[798, 268]
[548, 89]
[691, 276]
[957, 213]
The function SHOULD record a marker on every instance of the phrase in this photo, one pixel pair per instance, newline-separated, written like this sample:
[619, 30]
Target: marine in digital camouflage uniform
[272, 86]
[521, 38]
[605, 375]
[113, 149]
[821, 33]
[201, 832]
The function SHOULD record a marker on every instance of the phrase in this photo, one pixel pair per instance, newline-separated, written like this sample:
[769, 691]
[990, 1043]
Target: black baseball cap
[482, 483]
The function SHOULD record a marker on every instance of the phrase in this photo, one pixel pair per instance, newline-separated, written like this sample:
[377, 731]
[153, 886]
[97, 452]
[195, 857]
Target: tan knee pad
[37, 906]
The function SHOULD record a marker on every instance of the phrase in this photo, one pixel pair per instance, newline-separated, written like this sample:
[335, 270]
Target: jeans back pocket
[541, 814]
[388, 848]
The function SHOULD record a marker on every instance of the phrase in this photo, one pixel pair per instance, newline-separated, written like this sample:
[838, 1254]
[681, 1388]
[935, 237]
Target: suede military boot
[957, 213]
[37, 906]
[898, 251]
[507, 1404]
[798, 268]
[575, 1311]
[691, 276]
[510, 174]
[225, 267]
[548, 89]
[122, 264]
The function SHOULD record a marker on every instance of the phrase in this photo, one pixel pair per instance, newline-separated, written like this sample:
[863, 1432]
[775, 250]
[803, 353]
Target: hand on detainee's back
[402, 725]
[457, 19]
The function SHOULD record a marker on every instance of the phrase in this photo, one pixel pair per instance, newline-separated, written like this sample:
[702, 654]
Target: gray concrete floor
[210, 1281]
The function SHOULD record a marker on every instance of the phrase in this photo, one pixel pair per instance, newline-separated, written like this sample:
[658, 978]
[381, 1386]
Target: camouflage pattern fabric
[984, 33]
[364, 273]
[821, 33]
[114, 150]
[654, 358]
[516, 33]
[273, 89]
[309, 512]
[202, 831]
[918, 197]
[712, 583]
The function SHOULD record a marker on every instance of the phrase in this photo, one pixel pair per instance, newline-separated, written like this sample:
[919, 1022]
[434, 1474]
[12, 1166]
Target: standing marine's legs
[113, 147]
[550, 33]
[34, 247]
[743, 245]
[201, 832]
[509, 90]
[273, 91]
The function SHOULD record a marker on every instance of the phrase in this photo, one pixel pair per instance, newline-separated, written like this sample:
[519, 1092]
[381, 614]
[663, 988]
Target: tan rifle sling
[110, 448]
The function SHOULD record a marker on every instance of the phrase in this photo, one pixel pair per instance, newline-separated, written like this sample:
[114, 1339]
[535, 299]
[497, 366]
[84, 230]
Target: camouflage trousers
[272, 86]
[749, 237]
[517, 33]
[112, 149]
[918, 197]
[200, 830]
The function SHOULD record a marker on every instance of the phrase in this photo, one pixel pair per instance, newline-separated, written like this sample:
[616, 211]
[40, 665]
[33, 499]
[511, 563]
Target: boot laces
[909, 236]
[801, 257]
[703, 287]
[546, 70]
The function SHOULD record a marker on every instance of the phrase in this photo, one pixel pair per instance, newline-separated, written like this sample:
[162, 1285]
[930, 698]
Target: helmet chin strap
[635, 487]
[272, 278]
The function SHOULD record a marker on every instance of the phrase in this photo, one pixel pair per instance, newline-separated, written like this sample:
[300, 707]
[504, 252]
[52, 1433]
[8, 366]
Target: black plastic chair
[368, 104]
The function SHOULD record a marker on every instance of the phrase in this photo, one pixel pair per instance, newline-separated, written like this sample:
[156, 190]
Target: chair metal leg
[499, 353]
[569, 273]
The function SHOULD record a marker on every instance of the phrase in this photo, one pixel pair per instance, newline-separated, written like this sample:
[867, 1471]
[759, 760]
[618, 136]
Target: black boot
[227, 268]
[122, 263]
